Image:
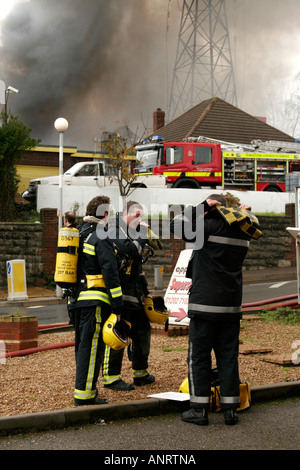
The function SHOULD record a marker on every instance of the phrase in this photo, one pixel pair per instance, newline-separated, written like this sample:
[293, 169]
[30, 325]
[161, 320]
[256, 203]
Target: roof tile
[221, 120]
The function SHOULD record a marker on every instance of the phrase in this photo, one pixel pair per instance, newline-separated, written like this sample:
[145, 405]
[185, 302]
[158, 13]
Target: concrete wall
[36, 243]
[157, 200]
[21, 241]
[276, 248]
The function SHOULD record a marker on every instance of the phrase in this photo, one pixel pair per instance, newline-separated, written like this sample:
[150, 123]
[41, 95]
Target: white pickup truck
[91, 174]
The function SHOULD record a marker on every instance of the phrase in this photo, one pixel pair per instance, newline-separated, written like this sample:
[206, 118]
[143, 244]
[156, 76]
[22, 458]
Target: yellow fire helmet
[184, 387]
[115, 334]
[156, 310]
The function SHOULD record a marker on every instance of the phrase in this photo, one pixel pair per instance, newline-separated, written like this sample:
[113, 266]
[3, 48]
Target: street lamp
[9, 89]
[61, 125]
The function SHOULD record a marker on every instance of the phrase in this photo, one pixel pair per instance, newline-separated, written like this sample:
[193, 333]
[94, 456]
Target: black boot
[196, 415]
[230, 417]
[120, 385]
[93, 401]
[146, 380]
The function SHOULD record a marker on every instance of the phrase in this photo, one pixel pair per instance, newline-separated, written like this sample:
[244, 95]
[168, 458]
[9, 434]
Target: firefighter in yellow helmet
[98, 294]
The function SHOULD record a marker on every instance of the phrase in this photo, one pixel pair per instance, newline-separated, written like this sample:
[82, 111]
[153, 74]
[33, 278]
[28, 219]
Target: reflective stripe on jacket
[99, 265]
[216, 268]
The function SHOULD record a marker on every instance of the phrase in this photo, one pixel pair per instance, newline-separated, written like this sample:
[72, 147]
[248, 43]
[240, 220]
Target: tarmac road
[274, 425]
[258, 291]
[51, 312]
[268, 425]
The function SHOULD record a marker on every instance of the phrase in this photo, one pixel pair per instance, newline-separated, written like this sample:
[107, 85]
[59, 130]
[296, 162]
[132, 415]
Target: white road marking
[279, 284]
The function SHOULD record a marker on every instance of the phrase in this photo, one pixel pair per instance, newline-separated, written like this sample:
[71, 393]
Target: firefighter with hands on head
[130, 235]
[98, 294]
[221, 238]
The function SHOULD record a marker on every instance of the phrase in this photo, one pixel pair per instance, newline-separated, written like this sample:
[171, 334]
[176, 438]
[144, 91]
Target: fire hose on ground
[270, 304]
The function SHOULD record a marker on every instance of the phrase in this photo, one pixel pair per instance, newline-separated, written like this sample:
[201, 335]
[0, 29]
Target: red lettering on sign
[180, 285]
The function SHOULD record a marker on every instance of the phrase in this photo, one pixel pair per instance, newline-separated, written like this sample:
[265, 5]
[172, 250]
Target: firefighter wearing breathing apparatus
[98, 294]
[215, 300]
[131, 240]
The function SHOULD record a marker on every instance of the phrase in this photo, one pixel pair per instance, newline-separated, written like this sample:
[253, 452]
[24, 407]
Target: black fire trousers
[89, 349]
[223, 338]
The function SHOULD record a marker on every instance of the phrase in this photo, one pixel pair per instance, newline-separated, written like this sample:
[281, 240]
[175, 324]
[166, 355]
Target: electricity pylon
[203, 66]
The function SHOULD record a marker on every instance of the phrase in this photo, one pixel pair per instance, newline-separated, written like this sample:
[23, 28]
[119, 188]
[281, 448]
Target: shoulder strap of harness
[83, 233]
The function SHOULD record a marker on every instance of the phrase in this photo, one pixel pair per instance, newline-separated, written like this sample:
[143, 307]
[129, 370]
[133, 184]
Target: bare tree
[120, 147]
[121, 160]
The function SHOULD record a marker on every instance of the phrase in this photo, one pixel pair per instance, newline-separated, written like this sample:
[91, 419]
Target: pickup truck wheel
[138, 186]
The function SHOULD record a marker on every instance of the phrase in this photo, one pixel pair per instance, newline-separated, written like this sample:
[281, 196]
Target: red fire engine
[204, 162]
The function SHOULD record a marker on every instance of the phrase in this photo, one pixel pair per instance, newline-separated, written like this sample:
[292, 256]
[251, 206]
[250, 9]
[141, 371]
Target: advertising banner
[177, 293]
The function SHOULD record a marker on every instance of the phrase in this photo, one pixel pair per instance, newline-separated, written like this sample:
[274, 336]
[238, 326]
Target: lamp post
[9, 89]
[61, 125]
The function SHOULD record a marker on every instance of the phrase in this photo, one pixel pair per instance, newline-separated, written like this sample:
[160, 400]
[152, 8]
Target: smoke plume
[93, 62]
[100, 62]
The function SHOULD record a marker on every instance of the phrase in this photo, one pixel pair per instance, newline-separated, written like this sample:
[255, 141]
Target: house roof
[217, 119]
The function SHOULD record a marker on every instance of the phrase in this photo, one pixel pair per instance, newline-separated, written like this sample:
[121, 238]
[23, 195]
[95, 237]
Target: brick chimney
[158, 119]
[261, 118]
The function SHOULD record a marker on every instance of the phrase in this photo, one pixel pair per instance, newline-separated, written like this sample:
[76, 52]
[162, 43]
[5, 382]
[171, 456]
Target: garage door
[30, 172]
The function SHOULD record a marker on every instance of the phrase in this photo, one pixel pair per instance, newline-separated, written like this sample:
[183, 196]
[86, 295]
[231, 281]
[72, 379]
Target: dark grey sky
[99, 62]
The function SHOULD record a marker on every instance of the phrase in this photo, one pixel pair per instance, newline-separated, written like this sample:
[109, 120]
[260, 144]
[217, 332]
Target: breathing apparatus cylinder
[67, 257]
